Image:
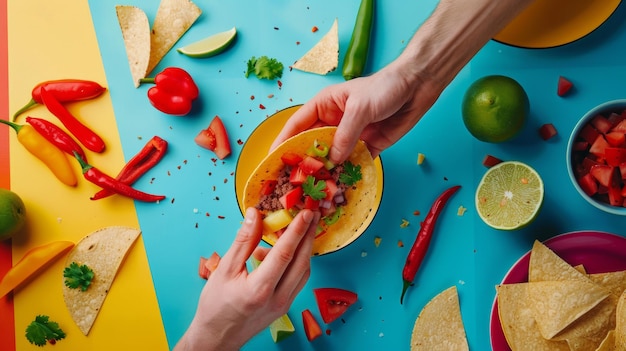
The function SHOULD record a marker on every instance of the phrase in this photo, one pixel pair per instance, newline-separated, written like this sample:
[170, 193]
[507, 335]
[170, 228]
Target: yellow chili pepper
[33, 261]
[44, 150]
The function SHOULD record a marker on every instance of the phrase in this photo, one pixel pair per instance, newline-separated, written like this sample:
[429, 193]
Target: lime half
[210, 46]
[509, 196]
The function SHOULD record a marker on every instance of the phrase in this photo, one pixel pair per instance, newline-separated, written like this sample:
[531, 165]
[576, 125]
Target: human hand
[234, 304]
[379, 109]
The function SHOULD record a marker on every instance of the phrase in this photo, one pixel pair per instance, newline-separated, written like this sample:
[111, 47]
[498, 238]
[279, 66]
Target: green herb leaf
[78, 276]
[351, 173]
[42, 330]
[264, 68]
[313, 189]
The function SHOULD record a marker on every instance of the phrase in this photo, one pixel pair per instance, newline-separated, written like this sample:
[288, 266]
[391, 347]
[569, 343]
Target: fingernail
[307, 216]
[250, 215]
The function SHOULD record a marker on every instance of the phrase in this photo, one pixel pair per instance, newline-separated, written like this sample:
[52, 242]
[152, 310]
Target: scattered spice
[261, 107]
[314, 29]
[400, 243]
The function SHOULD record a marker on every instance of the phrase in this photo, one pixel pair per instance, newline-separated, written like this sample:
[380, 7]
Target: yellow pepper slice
[33, 261]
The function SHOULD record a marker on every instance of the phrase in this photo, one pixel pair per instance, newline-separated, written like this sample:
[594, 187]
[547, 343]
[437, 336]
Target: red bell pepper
[173, 92]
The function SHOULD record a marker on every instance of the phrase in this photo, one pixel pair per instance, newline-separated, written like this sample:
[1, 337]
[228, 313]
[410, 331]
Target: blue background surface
[465, 252]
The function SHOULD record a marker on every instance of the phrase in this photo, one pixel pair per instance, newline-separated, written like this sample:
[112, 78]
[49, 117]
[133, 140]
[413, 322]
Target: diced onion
[325, 204]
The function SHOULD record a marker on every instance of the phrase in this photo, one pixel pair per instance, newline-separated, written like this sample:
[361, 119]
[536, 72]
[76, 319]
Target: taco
[298, 175]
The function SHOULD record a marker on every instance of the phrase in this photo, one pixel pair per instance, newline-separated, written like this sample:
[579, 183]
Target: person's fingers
[304, 118]
[260, 252]
[348, 133]
[247, 239]
[279, 258]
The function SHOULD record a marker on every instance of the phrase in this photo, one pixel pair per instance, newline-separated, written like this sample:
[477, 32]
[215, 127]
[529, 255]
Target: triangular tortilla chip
[324, 56]
[545, 265]
[173, 19]
[608, 344]
[136, 33]
[103, 251]
[556, 304]
[439, 325]
[518, 321]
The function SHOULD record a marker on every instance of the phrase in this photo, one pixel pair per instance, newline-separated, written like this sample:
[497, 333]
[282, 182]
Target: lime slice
[210, 46]
[509, 196]
[281, 328]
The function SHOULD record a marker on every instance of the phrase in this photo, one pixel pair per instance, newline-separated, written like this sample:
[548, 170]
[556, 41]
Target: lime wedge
[509, 196]
[281, 328]
[210, 46]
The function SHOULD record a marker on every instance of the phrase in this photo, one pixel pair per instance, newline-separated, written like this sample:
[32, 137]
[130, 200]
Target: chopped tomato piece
[208, 265]
[547, 131]
[614, 156]
[311, 204]
[598, 146]
[333, 302]
[564, 86]
[291, 198]
[311, 327]
[588, 184]
[601, 123]
[603, 174]
[291, 159]
[589, 133]
[322, 174]
[268, 186]
[490, 161]
[297, 176]
[616, 139]
[215, 138]
[330, 189]
[310, 165]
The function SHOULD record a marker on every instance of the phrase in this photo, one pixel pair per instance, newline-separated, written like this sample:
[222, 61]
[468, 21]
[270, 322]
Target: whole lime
[495, 108]
[12, 214]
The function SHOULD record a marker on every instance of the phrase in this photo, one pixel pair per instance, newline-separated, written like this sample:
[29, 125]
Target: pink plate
[598, 252]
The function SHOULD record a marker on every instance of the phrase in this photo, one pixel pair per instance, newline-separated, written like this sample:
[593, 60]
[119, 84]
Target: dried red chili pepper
[56, 136]
[105, 181]
[86, 136]
[422, 241]
[64, 90]
[173, 92]
[146, 158]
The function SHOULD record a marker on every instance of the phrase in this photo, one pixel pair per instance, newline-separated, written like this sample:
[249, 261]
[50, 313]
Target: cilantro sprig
[78, 276]
[265, 68]
[43, 330]
[313, 189]
[351, 173]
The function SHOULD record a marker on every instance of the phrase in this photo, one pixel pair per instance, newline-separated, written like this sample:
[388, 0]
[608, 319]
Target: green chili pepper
[356, 55]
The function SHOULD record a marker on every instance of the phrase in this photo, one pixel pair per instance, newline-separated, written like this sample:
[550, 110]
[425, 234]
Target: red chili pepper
[105, 181]
[56, 136]
[420, 246]
[149, 156]
[173, 92]
[64, 90]
[86, 136]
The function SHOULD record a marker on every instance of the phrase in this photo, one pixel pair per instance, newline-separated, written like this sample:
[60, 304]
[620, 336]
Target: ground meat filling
[271, 202]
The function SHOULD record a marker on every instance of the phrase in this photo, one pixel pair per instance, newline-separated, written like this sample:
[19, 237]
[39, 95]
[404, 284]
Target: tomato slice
[291, 198]
[311, 204]
[330, 189]
[291, 159]
[310, 165]
[268, 186]
[311, 327]
[333, 302]
[297, 176]
[215, 138]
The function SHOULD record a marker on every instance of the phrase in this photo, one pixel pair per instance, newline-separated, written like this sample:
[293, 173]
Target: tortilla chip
[608, 344]
[324, 56]
[173, 19]
[620, 324]
[136, 32]
[546, 265]
[360, 198]
[439, 325]
[103, 251]
[518, 321]
[557, 304]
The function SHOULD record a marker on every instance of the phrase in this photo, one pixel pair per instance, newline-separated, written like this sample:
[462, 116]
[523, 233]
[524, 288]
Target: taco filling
[297, 175]
[308, 181]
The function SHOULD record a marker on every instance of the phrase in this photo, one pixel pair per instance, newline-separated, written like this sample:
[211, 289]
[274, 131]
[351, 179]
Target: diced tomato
[291, 198]
[603, 174]
[588, 184]
[614, 156]
[620, 127]
[598, 146]
[311, 327]
[297, 176]
[564, 86]
[291, 159]
[268, 186]
[322, 174]
[615, 118]
[208, 265]
[490, 161]
[310, 165]
[333, 302]
[547, 131]
[311, 204]
[622, 170]
[617, 139]
[601, 123]
[588, 133]
[330, 189]
[580, 146]
[615, 196]
[215, 138]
